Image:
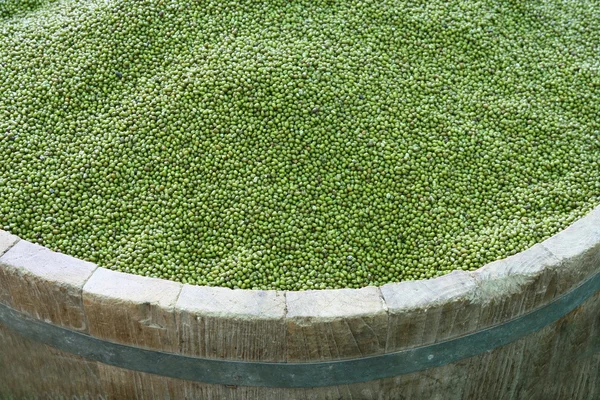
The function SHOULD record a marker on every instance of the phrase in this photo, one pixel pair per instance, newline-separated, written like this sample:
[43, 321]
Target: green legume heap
[298, 144]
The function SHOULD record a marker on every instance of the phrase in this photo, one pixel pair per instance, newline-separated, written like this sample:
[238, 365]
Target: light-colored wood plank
[231, 324]
[45, 285]
[425, 312]
[335, 324]
[33, 370]
[132, 310]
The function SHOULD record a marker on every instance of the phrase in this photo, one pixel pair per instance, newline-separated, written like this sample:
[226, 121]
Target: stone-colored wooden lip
[299, 375]
[276, 326]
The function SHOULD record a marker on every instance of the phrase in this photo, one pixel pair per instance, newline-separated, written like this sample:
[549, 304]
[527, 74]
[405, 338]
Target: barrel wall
[420, 320]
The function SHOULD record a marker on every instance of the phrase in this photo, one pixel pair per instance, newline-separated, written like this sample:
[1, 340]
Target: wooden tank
[526, 327]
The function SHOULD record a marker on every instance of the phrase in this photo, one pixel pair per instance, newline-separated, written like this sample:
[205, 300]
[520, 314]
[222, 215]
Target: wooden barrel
[526, 327]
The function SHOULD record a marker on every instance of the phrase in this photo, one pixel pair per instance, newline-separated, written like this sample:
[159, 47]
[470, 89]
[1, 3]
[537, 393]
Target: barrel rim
[113, 283]
[377, 319]
[298, 375]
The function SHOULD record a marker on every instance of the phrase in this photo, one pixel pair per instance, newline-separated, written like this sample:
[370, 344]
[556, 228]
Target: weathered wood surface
[6, 242]
[44, 284]
[32, 370]
[562, 361]
[426, 312]
[235, 325]
[335, 324]
[131, 309]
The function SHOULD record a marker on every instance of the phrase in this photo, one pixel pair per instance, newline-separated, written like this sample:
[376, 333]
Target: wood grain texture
[578, 249]
[425, 312]
[132, 310]
[516, 285]
[231, 324]
[6, 242]
[33, 370]
[335, 324]
[44, 284]
[561, 361]
[124, 384]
